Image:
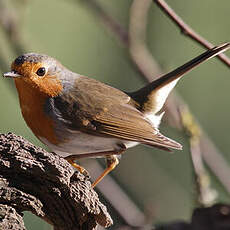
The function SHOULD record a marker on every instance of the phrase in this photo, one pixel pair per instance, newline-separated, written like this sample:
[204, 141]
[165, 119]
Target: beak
[12, 74]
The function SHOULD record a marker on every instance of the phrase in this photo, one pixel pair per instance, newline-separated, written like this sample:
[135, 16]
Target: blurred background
[157, 185]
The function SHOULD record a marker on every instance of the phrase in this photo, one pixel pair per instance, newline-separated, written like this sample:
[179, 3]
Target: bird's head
[40, 72]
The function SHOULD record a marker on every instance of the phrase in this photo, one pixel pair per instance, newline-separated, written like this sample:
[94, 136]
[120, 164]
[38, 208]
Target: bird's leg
[81, 169]
[111, 161]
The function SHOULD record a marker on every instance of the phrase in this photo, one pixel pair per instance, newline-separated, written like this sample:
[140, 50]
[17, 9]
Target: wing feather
[98, 109]
[134, 127]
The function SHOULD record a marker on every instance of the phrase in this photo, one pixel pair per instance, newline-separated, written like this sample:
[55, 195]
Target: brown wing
[99, 109]
[125, 122]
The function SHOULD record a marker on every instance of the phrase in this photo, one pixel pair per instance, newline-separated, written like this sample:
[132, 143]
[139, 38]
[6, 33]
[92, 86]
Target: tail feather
[163, 142]
[152, 97]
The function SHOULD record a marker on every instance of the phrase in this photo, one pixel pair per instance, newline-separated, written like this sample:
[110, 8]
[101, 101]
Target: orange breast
[32, 107]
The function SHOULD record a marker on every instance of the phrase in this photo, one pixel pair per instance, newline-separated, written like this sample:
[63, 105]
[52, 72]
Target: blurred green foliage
[70, 32]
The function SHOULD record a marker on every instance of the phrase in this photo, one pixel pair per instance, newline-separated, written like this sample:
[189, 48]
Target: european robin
[79, 117]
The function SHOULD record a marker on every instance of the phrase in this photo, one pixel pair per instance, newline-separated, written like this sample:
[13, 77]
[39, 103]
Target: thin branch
[110, 24]
[187, 30]
[206, 194]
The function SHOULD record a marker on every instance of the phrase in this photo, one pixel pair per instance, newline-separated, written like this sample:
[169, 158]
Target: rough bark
[32, 179]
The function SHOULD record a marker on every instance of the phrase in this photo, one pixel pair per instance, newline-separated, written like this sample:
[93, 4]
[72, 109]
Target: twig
[32, 179]
[206, 194]
[187, 30]
[110, 24]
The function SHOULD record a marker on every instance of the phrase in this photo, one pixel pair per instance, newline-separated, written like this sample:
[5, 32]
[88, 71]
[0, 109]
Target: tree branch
[187, 30]
[10, 219]
[32, 179]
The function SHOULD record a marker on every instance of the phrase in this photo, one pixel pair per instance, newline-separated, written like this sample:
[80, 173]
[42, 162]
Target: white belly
[81, 143]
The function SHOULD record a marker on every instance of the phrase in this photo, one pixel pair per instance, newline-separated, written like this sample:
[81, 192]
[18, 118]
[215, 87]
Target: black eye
[41, 71]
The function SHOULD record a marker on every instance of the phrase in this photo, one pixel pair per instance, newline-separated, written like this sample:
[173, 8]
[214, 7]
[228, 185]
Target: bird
[79, 117]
